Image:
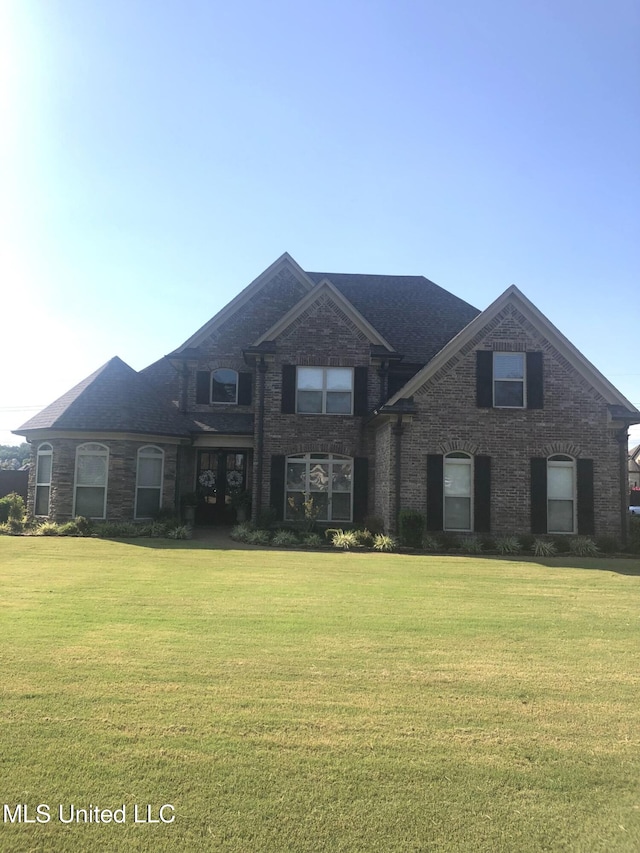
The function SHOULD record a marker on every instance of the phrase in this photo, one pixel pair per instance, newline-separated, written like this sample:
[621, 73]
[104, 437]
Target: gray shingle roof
[113, 399]
[415, 315]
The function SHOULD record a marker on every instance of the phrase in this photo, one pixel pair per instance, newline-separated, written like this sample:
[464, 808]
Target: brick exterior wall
[573, 421]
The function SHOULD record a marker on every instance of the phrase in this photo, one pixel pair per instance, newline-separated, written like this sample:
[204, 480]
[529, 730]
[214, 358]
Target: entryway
[223, 479]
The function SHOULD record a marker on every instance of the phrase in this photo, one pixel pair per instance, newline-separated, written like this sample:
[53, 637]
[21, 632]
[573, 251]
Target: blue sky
[157, 156]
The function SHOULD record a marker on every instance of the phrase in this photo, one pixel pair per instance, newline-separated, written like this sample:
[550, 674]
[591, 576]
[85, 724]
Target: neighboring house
[634, 467]
[367, 393]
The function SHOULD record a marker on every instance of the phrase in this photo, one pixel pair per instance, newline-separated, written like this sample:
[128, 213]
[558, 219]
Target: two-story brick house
[368, 394]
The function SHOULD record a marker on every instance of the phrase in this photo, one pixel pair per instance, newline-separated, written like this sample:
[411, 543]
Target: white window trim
[104, 451]
[523, 380]
[566, 462]
[324, 390]
[43, 450]
[160, 487]
[452, 459]
[223, 402]
[328, 459]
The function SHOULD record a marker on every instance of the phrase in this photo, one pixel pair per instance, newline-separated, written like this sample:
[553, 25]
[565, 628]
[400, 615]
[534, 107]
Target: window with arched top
[458, 491]
[326, 479]
[90, 482]
[149, 475]
[44, 464]
[561, 494]
[224, 386]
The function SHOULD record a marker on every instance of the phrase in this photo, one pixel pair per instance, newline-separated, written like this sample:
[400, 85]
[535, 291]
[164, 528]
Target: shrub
[381, 542]
[507, 545]
[562, 543]
[312, 540]
[240, 533]
[582, 546]
[607, 544]
[488, 543]
[634, 535]
[267, 517]
[84, 525]
[543, 548]
[284, 539]
[12, 508]
[364, 538]
[448, 541]
[344, 539]
[430, 543]
[5, 529]
[182, 531]
[48, 528]
[374, 523]
[258, 537]
[526, 541]
[69, 528]
[411, 528]
[471, 545]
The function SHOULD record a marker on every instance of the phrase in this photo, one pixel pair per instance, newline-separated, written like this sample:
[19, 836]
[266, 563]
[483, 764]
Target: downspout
[383, 373]
[262, 377]
[623, 442]
[397, 431]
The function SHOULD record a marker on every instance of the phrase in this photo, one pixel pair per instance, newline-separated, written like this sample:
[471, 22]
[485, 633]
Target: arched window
[44, 463]
[224, 386]
[90, 487]
[561, 494]
[149, 472]
[458, 491]
[327, 479]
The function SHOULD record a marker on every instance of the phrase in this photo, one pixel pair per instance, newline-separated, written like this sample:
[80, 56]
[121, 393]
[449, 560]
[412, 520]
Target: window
[326, 478]
[458, 489]
[508, 380]
[324, 390]
[149, 481]
[43, 479]
[561, 494]
[224, 386]
[90, 491]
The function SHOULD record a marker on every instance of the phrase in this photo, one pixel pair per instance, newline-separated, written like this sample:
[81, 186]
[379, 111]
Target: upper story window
[43, 479]
[90, 487]
[458, 491]
[509, 380]
[149, 481]
[224, 386]
[561, 494]
[324, 390]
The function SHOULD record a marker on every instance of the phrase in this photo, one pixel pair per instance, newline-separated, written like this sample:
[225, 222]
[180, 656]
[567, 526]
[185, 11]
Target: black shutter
[277, 486]
[288, 389]
[244, 389]
[538, 495]
[360, 487]
[484, 379]
[586, 521]
[435, 485]
[535, 387]
[360, 391]
[203, 387]
[482, 494]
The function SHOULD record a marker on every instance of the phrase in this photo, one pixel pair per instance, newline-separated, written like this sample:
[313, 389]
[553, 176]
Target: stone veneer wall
[121, 481]
[573, 421]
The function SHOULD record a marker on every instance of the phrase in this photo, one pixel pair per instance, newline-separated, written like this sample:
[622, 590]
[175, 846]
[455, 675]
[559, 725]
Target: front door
[222, 474]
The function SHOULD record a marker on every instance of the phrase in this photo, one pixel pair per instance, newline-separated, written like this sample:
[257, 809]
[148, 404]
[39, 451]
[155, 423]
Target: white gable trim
[285, 261]
[514, 296]
[325, 287]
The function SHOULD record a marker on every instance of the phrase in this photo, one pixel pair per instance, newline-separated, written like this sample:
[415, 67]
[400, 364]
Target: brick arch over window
[566, 448]
[459, 445]
[323, 447]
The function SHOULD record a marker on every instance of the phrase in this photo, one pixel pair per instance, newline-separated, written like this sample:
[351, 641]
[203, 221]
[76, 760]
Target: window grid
[92, 465]
[458, 492]
[509, 380]
[149, 479]
[44, 463]
[324, 390]
[327, 478]
[561, 494]
[224, 387]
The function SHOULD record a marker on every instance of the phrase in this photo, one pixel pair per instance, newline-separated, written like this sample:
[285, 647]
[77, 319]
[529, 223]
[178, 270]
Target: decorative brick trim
[458, 445]
[565, 447]
[321, 447]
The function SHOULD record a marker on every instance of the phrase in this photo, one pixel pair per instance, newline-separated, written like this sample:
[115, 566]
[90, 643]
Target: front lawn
[284, 702]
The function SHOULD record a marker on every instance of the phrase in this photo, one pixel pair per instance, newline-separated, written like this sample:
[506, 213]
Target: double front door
[222, 477]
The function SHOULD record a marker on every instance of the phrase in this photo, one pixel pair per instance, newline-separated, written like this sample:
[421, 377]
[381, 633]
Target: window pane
[42, 500]
[309, 401]
[339, 403]
[44, 469]
[147, 502]
[92, 471]
[509, 394]
[560, 482]
[457, 479]
[560, 516]
[149, 472]
[321, 503]
[309, 378]
[224, 386]
[319, 477]
[296, 475]
[90, 502]
[341, 506]
[457, 513]
[341, 477]
[508, 366]
[339, 379]
[294, 508]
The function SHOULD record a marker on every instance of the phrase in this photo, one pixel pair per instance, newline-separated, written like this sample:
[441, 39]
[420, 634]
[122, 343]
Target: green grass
[293, 702]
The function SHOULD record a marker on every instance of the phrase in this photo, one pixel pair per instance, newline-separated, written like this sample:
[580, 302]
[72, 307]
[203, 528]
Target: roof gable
[512, 295]
[112, 399]
[325, 287]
